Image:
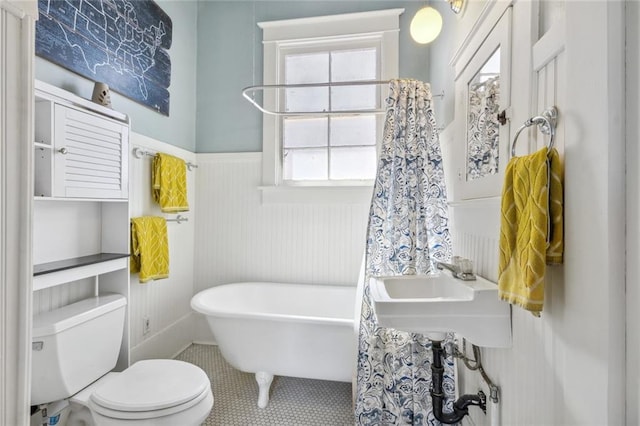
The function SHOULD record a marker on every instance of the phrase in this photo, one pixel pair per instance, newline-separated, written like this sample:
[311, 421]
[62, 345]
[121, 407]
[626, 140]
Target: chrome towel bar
[140, 152]
[178, 219]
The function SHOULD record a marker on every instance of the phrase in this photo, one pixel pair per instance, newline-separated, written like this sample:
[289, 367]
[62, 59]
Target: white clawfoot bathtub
[296, 330]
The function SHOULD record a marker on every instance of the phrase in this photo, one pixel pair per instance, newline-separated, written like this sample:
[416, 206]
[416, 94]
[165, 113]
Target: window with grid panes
[335, 147]
[324, 157]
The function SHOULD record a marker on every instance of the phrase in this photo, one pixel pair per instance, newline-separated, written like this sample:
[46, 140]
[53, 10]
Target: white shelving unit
[79, 153]
[81, 197]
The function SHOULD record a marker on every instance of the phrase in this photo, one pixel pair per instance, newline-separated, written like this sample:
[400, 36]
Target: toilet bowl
[73, 352]
[151, 392]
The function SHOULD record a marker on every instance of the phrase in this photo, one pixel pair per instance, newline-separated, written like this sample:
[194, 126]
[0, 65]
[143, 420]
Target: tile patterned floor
[293, 402]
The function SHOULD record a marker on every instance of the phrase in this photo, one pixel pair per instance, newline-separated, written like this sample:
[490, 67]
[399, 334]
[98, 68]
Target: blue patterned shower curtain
[407, 233]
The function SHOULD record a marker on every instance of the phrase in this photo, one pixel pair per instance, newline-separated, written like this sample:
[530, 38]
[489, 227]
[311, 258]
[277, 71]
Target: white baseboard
[168, 342]
[205, 343]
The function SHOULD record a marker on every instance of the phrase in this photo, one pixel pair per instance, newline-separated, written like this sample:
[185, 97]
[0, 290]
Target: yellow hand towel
[169, 183]
[531, 227]
[149, 248]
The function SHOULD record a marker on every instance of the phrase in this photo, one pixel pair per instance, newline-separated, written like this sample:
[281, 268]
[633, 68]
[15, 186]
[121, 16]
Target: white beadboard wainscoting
[239, 238]
[164, 302]
[566, 367]
[532, 361]
[533, 372]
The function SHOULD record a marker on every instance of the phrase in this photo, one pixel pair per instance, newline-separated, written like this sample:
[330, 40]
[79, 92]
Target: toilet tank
[75, 345]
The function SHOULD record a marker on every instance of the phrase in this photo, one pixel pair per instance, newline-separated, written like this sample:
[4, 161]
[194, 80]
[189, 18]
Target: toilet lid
[150, 385]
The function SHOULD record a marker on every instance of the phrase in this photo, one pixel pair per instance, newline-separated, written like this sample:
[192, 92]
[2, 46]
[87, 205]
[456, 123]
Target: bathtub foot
[264, 383]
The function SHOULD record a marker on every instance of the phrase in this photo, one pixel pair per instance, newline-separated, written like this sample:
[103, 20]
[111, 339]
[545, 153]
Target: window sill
[284, 194]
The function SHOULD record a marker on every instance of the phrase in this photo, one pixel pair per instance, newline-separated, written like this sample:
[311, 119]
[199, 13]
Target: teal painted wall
[179, 128]
[216, 52]
[230, 58]
[441, 73]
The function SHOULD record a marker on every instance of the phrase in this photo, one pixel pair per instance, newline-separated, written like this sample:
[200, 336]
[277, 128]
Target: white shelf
[47, 91]
[61, 273]
[95, 200]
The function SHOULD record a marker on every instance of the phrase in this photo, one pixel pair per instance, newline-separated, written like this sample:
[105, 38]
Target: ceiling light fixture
[426, 25]
[456, 5]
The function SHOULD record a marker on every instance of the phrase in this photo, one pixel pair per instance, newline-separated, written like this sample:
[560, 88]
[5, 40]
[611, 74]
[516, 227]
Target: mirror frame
[498, 37]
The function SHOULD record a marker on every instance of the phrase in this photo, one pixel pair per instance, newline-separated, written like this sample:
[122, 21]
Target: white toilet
[74, 348]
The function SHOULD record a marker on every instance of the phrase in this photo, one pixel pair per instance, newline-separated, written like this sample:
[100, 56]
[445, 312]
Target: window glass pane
[354, 97]
[305, 164]
[307, 99]
[304, 132]
[306, 68]
[354, 65]
[353, 130]
[350, 65]
[353, 162]
[302, 69]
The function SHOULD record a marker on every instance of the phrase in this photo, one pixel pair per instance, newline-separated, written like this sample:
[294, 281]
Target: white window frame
[376, 28]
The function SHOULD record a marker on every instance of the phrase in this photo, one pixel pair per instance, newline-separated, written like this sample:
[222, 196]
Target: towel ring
[546, 122]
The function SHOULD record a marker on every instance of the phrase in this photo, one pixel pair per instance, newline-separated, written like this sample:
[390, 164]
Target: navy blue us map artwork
[123, 43]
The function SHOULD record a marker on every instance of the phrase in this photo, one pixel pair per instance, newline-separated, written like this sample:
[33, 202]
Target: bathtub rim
[200, 307]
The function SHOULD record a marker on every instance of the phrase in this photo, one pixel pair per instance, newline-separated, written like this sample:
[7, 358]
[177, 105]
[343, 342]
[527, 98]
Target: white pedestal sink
[436, 304]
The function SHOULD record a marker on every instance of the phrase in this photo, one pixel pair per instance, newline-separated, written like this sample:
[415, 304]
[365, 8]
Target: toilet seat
[150, 389]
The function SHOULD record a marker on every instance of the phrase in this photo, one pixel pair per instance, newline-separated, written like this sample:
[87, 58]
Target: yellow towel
[531, 227]
[169, 183]
[149, 248]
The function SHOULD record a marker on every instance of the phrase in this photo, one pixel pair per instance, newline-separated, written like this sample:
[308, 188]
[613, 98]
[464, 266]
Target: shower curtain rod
[252, 89]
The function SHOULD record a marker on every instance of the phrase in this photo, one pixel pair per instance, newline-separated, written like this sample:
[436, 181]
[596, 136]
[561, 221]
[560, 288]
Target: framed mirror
[482, 89]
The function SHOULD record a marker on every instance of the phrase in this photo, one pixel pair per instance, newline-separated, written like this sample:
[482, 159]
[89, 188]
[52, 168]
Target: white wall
[567, 367]
[165, 302]
[239, 238]
[633, 212]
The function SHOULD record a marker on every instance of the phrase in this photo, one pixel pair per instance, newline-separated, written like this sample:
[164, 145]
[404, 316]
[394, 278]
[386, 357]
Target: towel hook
[546, 122]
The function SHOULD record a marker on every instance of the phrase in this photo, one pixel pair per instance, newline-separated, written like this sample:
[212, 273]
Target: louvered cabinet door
[90, 155]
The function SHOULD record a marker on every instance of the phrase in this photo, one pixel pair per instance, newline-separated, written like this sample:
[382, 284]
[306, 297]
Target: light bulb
[426, 25]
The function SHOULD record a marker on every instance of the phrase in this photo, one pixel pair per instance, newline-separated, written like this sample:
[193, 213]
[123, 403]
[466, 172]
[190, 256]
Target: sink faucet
[461, 268]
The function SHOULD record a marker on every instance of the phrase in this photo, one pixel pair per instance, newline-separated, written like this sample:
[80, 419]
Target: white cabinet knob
[63, 151]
